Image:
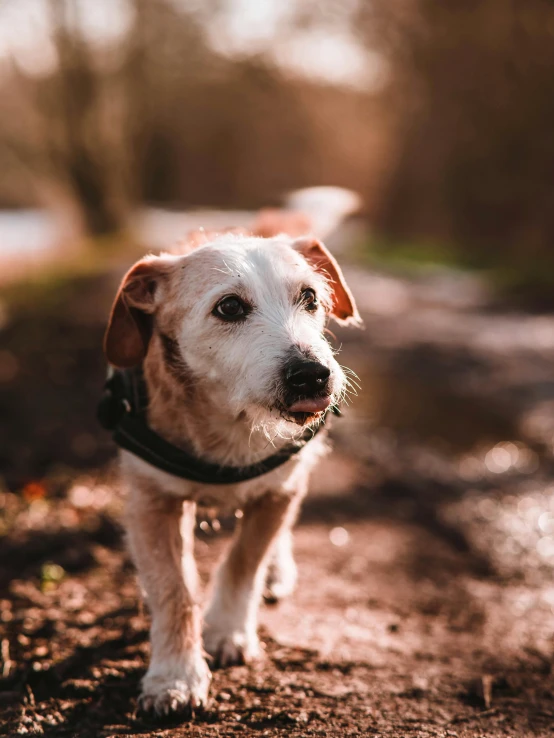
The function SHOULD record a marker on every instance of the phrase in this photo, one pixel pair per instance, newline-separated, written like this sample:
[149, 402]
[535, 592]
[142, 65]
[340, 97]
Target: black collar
[122, 409]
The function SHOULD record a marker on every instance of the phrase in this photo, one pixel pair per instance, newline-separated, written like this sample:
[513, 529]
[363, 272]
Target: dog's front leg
[232, 616]
[161, 538]
[281, 573]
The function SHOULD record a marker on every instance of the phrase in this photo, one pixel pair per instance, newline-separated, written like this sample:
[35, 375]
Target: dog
[229, 333]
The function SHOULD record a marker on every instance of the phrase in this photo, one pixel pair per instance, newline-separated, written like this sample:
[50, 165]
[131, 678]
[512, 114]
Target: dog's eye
[309, 299]
[230, 308]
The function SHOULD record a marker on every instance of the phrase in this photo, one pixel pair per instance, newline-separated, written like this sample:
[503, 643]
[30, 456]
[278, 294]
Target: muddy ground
[425, 604]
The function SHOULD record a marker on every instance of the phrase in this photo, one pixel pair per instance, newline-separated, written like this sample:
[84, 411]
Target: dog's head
[244, 317]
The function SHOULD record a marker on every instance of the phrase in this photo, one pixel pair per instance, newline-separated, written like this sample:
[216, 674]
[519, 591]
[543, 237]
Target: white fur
[241, 364]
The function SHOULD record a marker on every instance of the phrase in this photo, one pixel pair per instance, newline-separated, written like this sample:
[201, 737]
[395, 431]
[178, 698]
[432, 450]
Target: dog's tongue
[311, 405]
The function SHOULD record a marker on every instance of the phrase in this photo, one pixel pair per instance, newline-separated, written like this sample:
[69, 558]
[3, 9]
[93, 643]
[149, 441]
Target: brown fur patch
[273, 222]
[344, 307]
[173, 358]
[269, 222]
[262, 520]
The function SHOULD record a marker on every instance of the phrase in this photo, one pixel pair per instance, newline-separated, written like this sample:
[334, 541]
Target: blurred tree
[68, 136]
[473, 90]
[78, 102]
[160, 116]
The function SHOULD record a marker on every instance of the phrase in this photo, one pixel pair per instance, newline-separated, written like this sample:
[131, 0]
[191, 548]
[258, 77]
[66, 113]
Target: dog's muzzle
[307, 388]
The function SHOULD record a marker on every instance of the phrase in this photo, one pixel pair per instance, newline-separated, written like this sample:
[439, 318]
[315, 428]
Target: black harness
[122, 410]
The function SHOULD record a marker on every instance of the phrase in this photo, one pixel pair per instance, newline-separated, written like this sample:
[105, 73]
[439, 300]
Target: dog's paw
[280, 581]
[231, 649]
[165, 695]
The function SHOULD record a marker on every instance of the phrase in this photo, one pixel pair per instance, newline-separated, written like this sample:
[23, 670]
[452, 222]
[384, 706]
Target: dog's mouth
[307, 409]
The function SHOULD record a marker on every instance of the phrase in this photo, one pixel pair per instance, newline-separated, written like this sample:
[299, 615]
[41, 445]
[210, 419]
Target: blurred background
[126, 123]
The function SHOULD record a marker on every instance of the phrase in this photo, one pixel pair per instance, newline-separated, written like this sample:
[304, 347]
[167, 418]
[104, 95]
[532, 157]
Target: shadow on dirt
[23, 556]
[394, 501]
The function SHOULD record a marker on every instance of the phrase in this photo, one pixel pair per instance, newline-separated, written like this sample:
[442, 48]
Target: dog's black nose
[307, 377]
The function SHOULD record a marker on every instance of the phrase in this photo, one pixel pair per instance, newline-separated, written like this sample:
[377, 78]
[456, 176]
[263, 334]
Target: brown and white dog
[230, 333]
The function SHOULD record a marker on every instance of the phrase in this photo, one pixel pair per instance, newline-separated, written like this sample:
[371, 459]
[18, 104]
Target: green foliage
[518, 275]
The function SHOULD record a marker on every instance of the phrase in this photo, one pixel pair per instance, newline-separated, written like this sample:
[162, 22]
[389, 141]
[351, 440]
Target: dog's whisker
[351, 376]
[353, 380]
[353, 388]
[351, 384]
[348, 370]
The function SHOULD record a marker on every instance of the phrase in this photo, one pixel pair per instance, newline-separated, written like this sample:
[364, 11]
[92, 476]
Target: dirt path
[425, 605]
[390, 633]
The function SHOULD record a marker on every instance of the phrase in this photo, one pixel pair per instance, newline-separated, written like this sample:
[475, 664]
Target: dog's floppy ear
[130, 325]
[344, 308]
